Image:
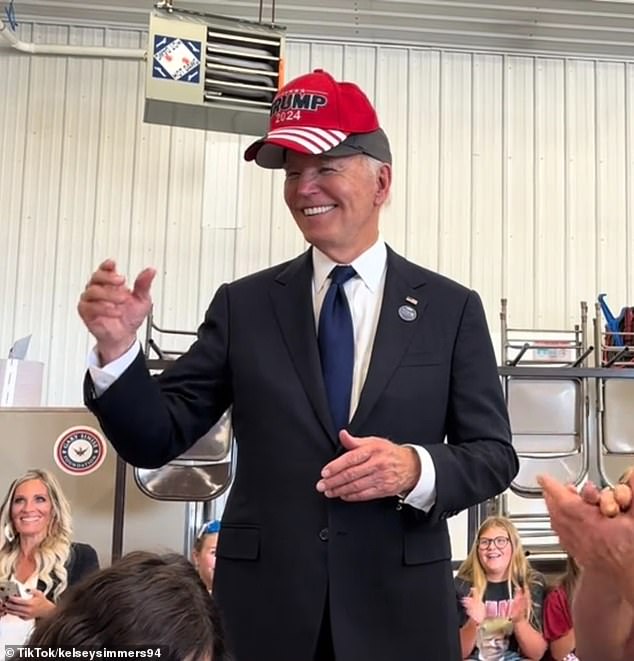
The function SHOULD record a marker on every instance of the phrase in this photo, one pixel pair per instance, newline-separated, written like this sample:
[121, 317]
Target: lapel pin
[407, 313]
[411, 300]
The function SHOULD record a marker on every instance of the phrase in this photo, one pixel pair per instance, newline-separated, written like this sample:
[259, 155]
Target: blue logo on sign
[176, 59]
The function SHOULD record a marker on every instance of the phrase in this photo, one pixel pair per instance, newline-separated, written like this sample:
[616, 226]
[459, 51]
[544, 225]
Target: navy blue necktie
[336, 345]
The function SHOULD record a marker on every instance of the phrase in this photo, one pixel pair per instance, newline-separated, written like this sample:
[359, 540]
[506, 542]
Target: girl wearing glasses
[500, 598]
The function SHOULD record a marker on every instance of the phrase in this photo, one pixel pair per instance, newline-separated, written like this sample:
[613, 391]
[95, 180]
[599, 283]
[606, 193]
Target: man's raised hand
[112, 311]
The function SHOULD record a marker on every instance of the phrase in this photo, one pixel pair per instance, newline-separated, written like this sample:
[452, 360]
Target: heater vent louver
[212, 72]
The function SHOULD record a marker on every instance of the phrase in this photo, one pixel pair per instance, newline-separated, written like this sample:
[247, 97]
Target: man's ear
[384, 183]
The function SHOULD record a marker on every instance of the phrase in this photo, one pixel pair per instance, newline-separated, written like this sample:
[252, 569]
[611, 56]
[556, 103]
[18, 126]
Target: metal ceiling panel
[575, 27]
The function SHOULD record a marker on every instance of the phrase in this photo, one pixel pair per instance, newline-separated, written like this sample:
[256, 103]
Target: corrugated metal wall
[513, 174]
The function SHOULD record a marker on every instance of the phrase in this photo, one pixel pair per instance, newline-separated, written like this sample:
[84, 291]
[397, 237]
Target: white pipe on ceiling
[68, 50]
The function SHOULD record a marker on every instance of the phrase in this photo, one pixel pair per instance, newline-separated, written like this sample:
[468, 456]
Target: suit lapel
[292, 302]
[393, 334]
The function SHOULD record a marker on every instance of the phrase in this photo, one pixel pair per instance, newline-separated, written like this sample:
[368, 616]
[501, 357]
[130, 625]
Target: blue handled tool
[613, 323]
[9, 12]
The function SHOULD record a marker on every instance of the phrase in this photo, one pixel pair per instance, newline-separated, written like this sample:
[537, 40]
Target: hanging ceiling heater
[212, 72]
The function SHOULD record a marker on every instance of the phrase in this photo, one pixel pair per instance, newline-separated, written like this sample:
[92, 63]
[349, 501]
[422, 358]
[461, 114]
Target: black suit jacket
[285, 549]
[81, 562]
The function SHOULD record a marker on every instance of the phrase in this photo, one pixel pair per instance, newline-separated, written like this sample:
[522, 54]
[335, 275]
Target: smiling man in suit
[346, 369]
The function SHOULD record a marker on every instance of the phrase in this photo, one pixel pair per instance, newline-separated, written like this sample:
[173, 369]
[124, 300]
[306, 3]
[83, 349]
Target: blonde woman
[501, 597]
[38, 561]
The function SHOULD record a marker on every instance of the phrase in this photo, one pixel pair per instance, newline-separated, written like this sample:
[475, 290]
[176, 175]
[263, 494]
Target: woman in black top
[37, 558]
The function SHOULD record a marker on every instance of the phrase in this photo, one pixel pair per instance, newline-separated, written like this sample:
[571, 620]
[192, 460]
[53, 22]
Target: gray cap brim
[374, 144]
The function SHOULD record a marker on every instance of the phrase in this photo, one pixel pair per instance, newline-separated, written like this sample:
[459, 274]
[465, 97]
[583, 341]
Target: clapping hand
[474, 607]
[611, 500]
[519, 605]
[595, 527]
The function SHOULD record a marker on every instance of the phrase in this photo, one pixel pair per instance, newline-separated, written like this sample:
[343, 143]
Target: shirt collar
[369, 266]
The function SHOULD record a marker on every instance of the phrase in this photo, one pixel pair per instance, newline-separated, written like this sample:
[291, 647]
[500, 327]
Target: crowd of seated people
[587, 614]
[52, 592]
[506, 610]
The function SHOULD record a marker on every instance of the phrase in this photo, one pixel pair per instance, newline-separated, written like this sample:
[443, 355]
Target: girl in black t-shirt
[500, 598]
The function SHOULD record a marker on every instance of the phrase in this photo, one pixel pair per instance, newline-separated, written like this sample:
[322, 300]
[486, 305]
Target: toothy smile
[315, 211]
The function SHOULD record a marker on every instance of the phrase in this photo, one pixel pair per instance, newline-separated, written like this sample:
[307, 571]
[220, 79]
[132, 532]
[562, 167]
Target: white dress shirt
[364, 294]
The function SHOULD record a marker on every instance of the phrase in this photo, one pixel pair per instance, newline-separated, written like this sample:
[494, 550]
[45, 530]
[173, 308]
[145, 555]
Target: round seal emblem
[80, 450]
[407, 313]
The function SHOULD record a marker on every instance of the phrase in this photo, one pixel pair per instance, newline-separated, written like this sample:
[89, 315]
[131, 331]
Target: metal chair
[546, 401]
[614, 396]
[547, 410]
[201, 474]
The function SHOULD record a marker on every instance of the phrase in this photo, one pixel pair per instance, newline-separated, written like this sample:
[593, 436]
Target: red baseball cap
[314, 114]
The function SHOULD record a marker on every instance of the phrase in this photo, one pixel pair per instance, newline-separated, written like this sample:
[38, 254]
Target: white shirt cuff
[423, 495]
[103, 376]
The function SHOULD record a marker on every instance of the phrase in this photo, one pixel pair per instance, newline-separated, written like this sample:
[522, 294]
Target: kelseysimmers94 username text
[137, 652]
